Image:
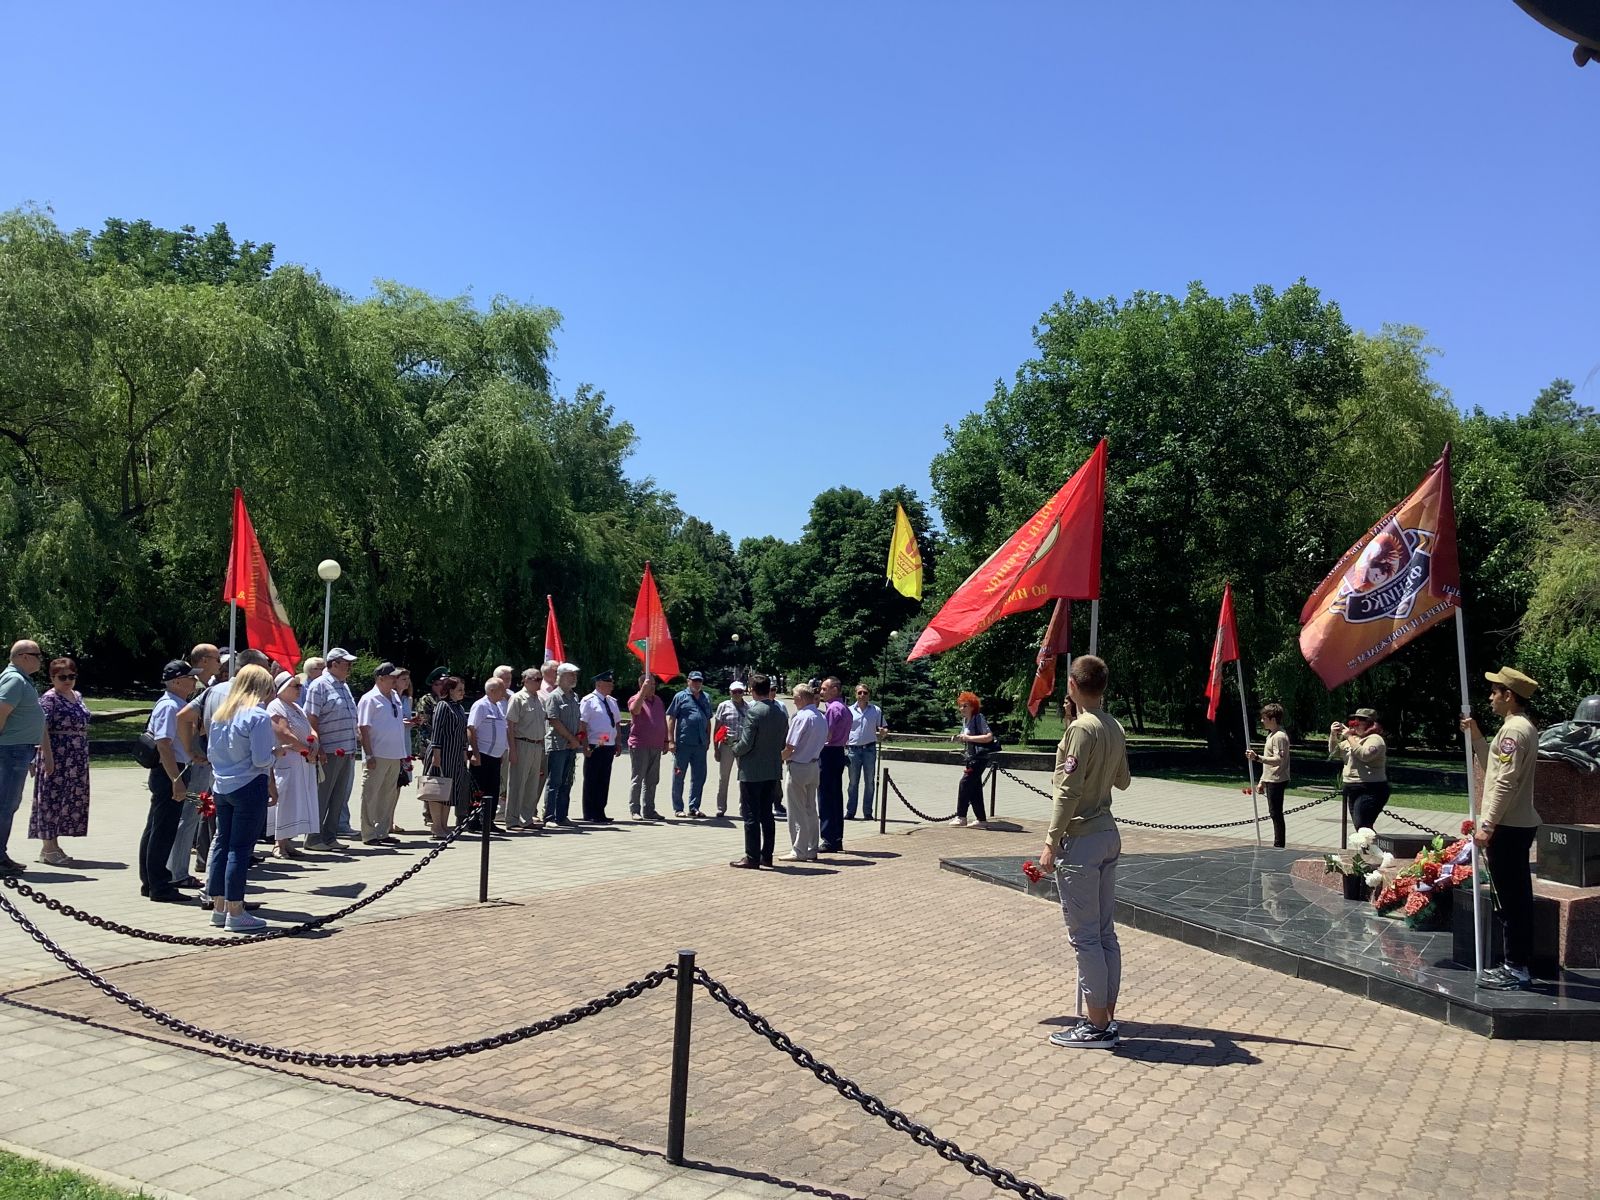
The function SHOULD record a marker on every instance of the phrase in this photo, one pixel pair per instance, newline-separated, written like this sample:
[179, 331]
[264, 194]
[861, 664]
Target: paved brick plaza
[932, 990]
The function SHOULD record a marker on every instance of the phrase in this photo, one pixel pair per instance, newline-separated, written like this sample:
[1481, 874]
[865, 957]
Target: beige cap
[1514, 679]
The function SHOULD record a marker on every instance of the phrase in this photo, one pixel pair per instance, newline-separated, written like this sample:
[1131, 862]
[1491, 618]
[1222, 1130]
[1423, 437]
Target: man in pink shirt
[647, 737]
[830, 784]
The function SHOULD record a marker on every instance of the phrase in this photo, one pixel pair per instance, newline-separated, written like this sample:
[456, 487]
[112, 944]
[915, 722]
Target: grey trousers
[805, 827]
[644, 775]
[1086, 876]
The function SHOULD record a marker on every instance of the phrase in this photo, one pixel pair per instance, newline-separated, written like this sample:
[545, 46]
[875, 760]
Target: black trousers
[597, 781]
[1274, 794]
[486, 782]
[830, 796]
[1513, 888]
[160, 830]
[755, 808]
[969, 794]
[1365, 801]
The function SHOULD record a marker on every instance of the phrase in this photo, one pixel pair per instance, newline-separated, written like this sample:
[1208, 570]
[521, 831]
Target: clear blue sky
[794, 242]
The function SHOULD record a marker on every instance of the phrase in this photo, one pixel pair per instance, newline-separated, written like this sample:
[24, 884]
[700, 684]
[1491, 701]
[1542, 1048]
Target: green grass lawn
[1402, 795]
[23, 1179]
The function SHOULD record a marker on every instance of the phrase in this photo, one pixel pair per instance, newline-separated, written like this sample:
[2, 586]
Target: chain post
[994, 779]
[883, 802]
[683, 1017]
[485, 823]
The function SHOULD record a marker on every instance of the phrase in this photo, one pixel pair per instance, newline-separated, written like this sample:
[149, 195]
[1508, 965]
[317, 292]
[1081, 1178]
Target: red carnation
[311, 739]
[1415, 903]
[1466, 828]
[1031, 870]
[338, 753]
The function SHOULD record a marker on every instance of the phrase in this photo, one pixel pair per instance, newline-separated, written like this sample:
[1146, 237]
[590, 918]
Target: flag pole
[233, 625]
[1250, 767]
[1472, 797]
[1094, 627]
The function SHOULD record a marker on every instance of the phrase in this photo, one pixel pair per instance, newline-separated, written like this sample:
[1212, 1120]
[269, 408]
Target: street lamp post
[888, 648]
[327, 570]
[736, 656]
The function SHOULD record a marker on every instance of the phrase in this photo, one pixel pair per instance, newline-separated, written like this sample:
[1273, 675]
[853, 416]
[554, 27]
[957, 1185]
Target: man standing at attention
[803, 746]
[332, 711]
[381, 726]
[760, 751]
[647, 737]
[861, 752]
[21, 736]
[830, 782]
[562, 710]
[1274, 760]
[598, 714]
[1083, 846]
[688, 736]
[526, 727]
[726, 726]
[486, 745]
[169, 780]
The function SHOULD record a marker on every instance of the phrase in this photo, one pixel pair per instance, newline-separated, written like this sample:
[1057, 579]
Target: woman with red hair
[977, 740]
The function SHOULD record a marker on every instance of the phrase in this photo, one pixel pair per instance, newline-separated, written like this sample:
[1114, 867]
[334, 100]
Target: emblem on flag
[1386, 581]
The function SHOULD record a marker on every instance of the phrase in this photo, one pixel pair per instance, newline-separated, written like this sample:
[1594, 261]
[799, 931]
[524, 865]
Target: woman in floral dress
[61, 797]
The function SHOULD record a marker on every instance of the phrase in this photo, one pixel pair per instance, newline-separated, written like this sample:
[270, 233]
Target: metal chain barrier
[176, 939]
[1122, 820]
[850, 1090]
[1389, 812]
[312, 1058]
[895, 787]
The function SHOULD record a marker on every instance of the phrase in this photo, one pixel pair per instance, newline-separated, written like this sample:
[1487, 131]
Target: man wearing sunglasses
[21, 732]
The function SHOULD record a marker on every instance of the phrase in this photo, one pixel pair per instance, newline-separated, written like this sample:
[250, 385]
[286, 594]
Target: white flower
[1375, 879]
[1362, 839]
[1387, 860]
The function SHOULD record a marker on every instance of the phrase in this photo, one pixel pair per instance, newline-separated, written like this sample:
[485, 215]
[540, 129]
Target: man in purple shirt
[802, 747]
[830, 784]
[647, 736]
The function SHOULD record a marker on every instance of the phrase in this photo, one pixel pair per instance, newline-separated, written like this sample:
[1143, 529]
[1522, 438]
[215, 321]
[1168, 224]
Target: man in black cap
[598, 716]
[169, 780]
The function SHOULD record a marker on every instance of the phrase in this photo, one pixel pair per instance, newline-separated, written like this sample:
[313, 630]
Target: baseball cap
[736, 686]
[697, 675]
[387, 668]
[176, 669]
[340, 654]
[1514, 679]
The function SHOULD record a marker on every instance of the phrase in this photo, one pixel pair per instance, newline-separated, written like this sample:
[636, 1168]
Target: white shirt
[488, 721]
[864, 724]
[384, 716]
[599, 717]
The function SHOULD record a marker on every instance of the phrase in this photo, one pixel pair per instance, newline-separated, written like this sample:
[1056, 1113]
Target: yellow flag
[905, 560]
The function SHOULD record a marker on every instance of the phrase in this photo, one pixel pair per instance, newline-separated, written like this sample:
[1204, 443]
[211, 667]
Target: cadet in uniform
[1507, 820]
[1274, 760]
[1365, 754]
[1083, 849]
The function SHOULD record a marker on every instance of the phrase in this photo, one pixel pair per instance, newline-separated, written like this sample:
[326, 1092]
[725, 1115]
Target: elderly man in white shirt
[598, 714]
[381, 728]
[487, 742]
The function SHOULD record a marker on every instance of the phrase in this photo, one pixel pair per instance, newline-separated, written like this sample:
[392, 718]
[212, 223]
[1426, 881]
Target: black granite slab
[1242, 901]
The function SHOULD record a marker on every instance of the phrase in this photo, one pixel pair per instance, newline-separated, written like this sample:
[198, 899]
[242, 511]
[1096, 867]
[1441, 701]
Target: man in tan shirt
[526, 727]
[1507, 820]
[1083, 847]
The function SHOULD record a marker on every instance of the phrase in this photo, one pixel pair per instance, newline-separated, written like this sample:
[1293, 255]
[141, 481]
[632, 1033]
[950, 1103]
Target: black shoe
[766, 862]
[830, 848]
[779, 810]
[10, 867]
[170, 897]
[1504, 979]
[653, 815]
[257, 860]
[188, 883]
[747, 864]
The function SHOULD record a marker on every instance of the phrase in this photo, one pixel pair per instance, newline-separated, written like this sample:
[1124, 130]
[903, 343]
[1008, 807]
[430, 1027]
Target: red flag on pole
[1055, 555]
[553, 650]
[1057, 644]
[1400, 578]
[1224, 649]
[249, 585]
[648, 636]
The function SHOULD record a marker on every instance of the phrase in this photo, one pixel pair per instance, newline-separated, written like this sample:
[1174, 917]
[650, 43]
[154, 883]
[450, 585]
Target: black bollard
[994, 778]
[883, 803]
[683, 1016]
[485, 824]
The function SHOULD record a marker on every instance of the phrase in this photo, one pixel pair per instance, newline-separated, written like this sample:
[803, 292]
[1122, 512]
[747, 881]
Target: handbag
[433, 789]
[146, 753]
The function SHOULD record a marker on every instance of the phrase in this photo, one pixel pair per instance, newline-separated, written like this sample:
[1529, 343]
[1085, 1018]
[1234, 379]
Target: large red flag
[1400, 578]
[648, 636]
[249, 585]
[1225, 649]
[1057, 644]
[1056, 554]
[553, 650]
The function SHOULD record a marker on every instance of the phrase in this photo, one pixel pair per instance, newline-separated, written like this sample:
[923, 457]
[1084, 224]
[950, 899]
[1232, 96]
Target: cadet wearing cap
[1359, 743]
[1507, 820]
[598, 716]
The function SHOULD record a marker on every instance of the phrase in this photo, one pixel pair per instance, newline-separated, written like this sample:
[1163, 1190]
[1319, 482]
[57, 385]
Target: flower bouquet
[1361, 872]
[1420, 893]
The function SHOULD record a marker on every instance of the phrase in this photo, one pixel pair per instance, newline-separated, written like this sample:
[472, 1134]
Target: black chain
[176, 939]
[1121, 820]
[850, 1090]
[312, 1058]
[1407, 821]
[895, 787]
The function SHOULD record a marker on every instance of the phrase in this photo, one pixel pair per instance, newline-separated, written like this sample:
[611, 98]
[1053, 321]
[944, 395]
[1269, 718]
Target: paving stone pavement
[933, 991]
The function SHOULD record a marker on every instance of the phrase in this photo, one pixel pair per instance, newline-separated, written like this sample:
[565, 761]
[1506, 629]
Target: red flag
[1057, 644]
[1056, 554]
[1400, 578]
[648, 636]
[553, 651]
[249, 585]
[1224, 649]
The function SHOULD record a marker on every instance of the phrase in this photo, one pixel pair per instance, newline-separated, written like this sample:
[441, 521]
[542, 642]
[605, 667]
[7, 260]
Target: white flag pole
[1250, 767]
[1094, 627]
[1472, 797]
[233, 625]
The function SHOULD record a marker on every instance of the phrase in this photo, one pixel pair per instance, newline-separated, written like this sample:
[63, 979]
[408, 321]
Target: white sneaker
[955, 821]
[977, 825]
[789, 857]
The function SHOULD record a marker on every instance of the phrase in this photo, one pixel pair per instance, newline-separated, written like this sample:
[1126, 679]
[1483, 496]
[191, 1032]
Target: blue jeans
[14, 762]
[561, 765]
[861, 759]
[239, 818]
[690, 760]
